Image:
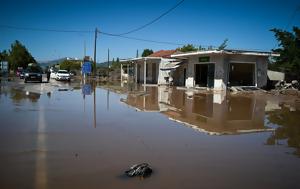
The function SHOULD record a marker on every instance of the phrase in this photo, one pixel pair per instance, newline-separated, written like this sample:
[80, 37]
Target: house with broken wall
[216, 69]
[219, 69]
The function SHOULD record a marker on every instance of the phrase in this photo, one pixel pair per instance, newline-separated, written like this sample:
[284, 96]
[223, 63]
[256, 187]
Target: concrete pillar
[145, 70]
[121, 73]
[128, 71]
[135, 74]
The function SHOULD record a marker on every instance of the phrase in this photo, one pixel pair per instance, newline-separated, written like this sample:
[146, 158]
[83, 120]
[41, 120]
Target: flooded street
[70, 135]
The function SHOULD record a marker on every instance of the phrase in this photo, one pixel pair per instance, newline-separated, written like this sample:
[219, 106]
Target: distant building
[3, 67]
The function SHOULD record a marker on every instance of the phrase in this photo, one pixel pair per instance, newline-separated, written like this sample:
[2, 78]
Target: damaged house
[156, 68]
[216, 69]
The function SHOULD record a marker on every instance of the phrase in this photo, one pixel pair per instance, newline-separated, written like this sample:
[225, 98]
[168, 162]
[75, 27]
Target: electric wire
[152, 21]
[45, 30]
[88, 31]
[140, 39]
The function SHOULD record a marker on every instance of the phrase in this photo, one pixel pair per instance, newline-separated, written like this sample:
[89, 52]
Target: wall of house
[262, 70]
[162, 74]
[219, 74]
[178, 75]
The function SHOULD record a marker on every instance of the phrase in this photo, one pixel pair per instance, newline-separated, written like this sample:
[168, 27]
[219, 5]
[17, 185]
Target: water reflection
[89, 88]
[289, 127]
[18, 96]
[211, 113]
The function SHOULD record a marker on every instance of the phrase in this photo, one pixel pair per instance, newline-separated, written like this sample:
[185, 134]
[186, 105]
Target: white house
[218, 69]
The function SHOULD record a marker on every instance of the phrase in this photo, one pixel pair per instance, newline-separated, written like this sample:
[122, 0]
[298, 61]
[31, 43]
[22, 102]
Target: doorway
[138, 73]
[204, 75]
[154, 76]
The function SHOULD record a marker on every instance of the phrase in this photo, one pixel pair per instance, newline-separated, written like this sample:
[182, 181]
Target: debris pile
[142, 170]
[282, 85]
[243, 89]
[284, 88]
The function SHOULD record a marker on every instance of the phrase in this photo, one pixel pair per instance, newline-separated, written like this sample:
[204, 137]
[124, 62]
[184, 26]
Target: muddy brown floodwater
[72, 136]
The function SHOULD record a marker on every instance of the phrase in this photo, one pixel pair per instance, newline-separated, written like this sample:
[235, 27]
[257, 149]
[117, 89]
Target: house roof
[240, 52]
[162, 53]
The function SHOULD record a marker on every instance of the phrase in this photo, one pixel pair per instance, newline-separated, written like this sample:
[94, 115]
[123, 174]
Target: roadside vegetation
[17, 56]
[289, 50]
[70, 65]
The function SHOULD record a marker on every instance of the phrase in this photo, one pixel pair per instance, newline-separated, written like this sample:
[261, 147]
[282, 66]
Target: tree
[19, 56]
[116, 64]
[147, 52]
[223, 45]
[70, 65]
[289, 50]
[187, 48]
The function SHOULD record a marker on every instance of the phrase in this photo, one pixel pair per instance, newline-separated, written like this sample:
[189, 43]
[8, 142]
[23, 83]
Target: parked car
[19, 71]
[33, 73]
[63, 75]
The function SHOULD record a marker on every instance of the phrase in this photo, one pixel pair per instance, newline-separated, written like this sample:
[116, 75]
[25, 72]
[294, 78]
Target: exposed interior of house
[241, 74]
[204, 75]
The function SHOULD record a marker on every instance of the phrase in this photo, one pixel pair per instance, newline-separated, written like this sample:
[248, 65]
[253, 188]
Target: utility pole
[95, 68]
[95, 51]
[107, 63]
[84, 49]
[137, 53]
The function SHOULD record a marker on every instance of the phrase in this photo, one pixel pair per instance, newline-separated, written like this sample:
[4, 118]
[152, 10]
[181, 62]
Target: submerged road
[57, 135]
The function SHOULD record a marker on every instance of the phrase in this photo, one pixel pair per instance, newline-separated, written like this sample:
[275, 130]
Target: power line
[90, 31]
[140, 39]
[45, 30]
[85, 31]
[152, 21]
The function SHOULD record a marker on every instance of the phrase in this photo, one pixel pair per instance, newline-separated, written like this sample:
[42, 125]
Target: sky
[245, 24]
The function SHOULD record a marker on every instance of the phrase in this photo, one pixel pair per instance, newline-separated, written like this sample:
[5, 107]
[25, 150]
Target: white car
[53, 75]
[63, 75]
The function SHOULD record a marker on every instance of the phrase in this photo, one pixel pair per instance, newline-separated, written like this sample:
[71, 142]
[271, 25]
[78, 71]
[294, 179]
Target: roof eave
[140, 58]
[224, 52]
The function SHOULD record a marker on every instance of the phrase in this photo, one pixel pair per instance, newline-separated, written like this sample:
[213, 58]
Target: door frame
[194, 76]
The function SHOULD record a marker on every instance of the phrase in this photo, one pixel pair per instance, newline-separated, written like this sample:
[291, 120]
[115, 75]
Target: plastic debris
[142, 170]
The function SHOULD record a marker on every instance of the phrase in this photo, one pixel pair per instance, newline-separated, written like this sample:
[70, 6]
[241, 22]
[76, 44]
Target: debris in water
[62, 89]
[142, 170]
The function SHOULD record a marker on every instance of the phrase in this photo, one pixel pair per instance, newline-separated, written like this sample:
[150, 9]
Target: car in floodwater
[63, 75]
[33, 73]
[53, 75]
